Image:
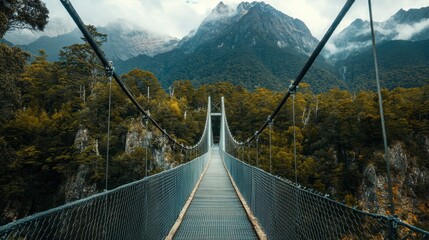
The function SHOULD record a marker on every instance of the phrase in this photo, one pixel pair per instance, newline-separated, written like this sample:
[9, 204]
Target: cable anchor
[110, 69]
[292, 88]
[270, 121]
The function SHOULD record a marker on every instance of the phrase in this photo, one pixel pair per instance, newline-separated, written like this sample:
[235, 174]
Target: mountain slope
[123, 42]
[213, 26]
[402, 46]
[6, 42]
[412, 25]
[53, 45]
[255, 46]
[401, 64]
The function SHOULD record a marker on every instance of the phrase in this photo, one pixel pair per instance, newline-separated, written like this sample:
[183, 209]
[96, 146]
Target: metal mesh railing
[145, 209]
[287, 211]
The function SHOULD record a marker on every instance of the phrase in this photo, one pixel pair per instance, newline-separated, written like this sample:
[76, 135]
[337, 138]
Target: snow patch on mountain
[246, 20]
[215, 24]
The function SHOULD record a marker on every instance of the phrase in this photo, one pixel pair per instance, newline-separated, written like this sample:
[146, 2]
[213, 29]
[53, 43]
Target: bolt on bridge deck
[215, 212]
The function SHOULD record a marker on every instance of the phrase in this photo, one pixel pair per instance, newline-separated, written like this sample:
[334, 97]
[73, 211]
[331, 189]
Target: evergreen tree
[20, 14]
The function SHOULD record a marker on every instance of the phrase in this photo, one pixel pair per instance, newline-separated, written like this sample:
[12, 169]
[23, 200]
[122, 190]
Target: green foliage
[128, 167]
[81, 68]
[45, 104]
[401, 64]
[338, 134]
[20, 14]
[261, 66]
[12, 63]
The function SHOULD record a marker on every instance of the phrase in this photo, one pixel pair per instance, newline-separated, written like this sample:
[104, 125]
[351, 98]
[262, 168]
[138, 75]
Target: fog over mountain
[412, 25]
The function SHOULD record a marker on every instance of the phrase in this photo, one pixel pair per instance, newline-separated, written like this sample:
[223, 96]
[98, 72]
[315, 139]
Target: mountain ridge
[262, 48]
[123, 42]
[255, 45]
[412, 25]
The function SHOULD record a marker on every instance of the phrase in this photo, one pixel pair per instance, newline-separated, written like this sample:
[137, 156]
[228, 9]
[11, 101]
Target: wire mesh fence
[287, 211]
[145, 209]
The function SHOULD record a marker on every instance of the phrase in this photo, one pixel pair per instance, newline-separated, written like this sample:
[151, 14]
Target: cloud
[407, 31]
[56, 26]
[192, 1]
[179, 17]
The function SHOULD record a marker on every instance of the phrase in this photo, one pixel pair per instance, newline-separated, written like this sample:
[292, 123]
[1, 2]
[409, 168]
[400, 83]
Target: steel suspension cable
[100, 54]
[108, 134]
[147, 145]
[294, 136]
[248, 154]
[380, 101]
[270, 129]
[109, 72]
[257, 152]
[146, 148]
[298, 210]
[306, 67]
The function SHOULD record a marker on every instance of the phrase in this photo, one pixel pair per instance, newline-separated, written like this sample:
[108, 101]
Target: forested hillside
[53, 124]
[401, 63]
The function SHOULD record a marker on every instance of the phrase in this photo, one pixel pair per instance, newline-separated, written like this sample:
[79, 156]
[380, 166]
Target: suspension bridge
[216, 195]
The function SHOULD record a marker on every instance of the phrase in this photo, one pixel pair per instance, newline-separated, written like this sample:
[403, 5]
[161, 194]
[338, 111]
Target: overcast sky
[178, 17]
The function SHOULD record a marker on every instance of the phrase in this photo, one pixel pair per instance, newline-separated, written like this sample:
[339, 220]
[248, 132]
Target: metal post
[147, 146]
[248, 154]
[257, 151]
[271, 165]
[294, 137]
[222, 126]
[209, 123]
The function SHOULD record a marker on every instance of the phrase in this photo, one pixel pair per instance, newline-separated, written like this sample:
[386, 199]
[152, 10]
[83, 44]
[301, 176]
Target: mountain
[213, 26]
[402, 47]
[253, 45]
[286, 31]
[123, 42]
[411, 25]
[6, 42]
[401, 64]
[53, 45]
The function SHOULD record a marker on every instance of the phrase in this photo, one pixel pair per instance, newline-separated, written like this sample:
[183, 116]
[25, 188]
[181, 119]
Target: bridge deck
[215, 212]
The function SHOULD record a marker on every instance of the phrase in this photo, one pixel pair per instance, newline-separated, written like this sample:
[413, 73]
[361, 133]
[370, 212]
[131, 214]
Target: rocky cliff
[410, 184]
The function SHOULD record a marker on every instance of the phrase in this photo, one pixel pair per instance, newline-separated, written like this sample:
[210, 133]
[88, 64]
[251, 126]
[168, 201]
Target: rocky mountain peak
[248, 22]
[221, 8]
[410, 16]
[409, 25]
[220, 12]
[358, 23]
[244, 7]
[265, 23]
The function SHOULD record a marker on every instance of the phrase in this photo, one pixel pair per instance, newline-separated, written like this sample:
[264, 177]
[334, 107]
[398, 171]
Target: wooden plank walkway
[215, 212]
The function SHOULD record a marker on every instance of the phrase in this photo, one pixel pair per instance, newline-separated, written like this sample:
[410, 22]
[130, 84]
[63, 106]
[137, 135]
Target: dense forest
[45, 106]
[53, 126]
